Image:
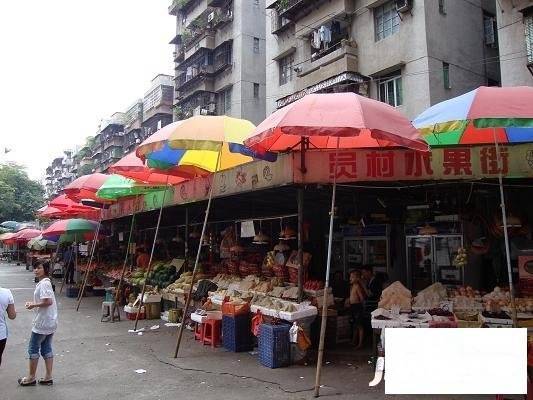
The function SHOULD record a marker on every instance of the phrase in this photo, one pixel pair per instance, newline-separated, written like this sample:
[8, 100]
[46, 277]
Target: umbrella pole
[64, 280]
[151, 255]
[125, 265]
[326, 286]
[89, 264]
[189, 295]
[505, 232]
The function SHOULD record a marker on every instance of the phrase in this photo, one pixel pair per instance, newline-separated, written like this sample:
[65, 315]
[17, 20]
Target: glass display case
[430, 259]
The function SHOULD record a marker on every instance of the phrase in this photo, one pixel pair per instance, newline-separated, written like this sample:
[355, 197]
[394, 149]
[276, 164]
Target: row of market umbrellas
[204, 145]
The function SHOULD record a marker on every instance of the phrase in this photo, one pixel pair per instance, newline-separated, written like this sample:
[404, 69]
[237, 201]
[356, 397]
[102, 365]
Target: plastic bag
[293, 333]
[257, 320]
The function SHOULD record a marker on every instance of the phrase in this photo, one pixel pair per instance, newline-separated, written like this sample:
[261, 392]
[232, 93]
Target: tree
[20, 197]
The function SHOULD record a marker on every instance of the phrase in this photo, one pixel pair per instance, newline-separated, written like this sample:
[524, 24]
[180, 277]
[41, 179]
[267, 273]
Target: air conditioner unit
[204, 111]
[211, 17]
[403, 5]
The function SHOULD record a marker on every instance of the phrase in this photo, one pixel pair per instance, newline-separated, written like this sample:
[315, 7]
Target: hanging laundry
[325, 35]
[316, 40]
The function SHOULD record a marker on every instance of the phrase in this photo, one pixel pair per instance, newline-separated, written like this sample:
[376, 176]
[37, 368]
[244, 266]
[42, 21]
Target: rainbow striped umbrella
[482, 116]
[192, 147]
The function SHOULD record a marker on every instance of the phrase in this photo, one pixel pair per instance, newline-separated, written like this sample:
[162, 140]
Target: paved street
[98, 360]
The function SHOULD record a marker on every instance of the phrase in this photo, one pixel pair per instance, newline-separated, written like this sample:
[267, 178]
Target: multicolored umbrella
[478, 116]
[39, 243]
[193, 146]
[74, 226]
[7, 237]
[133, 167]
[85, 187]
[328, 121]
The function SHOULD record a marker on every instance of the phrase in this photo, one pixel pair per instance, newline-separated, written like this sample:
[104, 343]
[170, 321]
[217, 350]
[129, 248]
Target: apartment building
[219, 58]
[408, 53]
[59, 174]
[133, 125]
[515, 34]
[157, 104]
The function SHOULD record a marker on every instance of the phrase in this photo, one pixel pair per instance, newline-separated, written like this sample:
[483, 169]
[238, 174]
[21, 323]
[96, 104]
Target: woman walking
[44, 326]
[7, 305]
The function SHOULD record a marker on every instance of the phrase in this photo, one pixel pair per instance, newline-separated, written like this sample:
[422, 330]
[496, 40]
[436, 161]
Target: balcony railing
[198, 71]
[289, 8]
[278, 23]
[177, 5]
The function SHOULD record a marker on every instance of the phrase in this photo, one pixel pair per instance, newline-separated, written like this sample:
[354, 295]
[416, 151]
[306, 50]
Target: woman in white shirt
[7, 305]
[44, 326]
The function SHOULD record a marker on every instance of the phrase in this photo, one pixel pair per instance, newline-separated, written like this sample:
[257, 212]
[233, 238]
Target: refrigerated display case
[430, 259]
[353, 252]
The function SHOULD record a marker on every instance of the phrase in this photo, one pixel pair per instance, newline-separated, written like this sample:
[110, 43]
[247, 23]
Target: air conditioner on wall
[403, 5]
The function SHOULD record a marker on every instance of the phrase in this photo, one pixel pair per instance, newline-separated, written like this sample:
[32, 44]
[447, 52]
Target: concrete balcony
[323, 11]
[205, 41]
[179, 5]
[115, 141]
[199, 11]
[343, 59]
[204, 84]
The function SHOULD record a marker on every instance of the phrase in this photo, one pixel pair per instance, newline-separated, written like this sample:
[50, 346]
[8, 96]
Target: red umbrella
[133, 167]
[351, 120]
[26, 234]
[71, 212]
[85, 187]
[333, 121]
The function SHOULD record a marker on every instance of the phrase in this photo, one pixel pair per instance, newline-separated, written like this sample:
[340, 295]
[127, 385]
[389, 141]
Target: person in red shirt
[143, 259]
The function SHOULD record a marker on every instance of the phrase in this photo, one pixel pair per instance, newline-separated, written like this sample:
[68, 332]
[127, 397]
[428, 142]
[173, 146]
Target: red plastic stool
[199, 332]
[212, 332]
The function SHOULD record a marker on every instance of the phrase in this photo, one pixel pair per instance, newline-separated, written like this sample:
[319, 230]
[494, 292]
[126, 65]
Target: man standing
[374, 285]
[68, 261]
[7, 305]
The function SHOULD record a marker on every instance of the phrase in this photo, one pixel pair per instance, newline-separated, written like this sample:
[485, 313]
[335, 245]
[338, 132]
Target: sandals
[24, 382]
[44, 382]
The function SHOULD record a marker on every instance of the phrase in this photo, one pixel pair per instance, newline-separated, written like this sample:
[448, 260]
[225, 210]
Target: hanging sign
[473, 162]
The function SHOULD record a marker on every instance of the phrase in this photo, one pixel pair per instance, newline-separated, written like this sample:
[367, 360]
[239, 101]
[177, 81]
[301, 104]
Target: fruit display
[396, 295]
[496, 300]
[181, 285]
[430, 297]
[461, 258]
[313, 285]
[162, 275]
[273, 304]
[224, 280]
[138, 277]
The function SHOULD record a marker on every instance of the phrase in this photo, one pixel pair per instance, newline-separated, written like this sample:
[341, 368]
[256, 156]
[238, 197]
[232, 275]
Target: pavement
[98, 360]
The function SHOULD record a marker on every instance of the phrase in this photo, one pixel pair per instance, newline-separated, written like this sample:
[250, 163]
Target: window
[285, 69]
[386, 20]
[256, 90]
[390, 90]
[446, 75]
[489, 27]
[442, 7]
[256, 45]
[225, 101]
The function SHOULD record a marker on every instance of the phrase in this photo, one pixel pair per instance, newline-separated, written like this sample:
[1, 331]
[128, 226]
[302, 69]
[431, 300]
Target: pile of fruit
[162, 275]
[313, 285]
[138, 277]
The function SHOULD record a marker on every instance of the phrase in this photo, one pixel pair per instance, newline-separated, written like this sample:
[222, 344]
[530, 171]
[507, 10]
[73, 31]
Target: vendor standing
[373, 284]
[356, 299]
[143, 259]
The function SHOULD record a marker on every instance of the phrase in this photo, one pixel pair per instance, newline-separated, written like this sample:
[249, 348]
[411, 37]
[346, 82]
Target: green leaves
[20, 196]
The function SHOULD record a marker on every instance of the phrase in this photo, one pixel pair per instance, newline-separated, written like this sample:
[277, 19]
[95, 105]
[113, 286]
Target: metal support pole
[186, 238]
[505, 233]
[125, 265]
[300, 243]
[326, 286]
[151, 256]
[89, 264]
[188, 299]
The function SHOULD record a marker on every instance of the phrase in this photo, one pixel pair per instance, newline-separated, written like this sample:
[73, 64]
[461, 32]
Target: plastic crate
[236, 333]
[274, 345]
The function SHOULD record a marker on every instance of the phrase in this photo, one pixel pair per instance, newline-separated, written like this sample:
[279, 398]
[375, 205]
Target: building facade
[408, 53]
[116, 136]
[219, 58]
[515, 33]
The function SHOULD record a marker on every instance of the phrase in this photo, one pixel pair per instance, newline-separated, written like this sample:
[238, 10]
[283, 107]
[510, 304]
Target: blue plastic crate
[236, 332]
[72, 292]
[274, 345]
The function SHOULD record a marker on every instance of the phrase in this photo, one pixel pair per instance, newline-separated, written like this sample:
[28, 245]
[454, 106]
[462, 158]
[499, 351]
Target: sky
[66, 64]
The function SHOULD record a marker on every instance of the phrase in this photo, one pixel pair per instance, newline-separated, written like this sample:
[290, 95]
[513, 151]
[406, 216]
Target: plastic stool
[199, 332]
[110, 312]
[212, 332]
